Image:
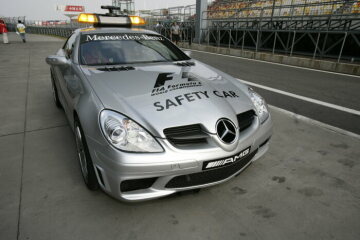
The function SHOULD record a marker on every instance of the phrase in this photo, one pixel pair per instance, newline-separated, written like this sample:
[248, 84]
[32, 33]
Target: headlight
[125, 134]
[260, 105]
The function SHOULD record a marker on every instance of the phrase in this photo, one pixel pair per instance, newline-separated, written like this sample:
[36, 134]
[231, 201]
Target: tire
[85, 162]
[55, 93]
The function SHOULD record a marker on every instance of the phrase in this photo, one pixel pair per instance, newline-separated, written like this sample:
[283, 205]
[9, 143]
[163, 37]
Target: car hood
[163, 95]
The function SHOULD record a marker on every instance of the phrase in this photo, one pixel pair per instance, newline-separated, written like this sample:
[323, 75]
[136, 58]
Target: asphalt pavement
[306, 187]
[339, 89]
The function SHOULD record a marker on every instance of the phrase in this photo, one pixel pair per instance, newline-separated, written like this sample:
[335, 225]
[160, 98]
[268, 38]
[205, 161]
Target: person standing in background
[175, 33]
[190, 35]
[20, 29]
[4, 31]
[158, 27]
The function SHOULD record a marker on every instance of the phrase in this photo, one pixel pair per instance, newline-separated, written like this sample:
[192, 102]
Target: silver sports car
[149, 120]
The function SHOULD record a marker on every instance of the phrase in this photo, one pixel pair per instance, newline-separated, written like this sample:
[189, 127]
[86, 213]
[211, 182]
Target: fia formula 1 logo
[162, 84]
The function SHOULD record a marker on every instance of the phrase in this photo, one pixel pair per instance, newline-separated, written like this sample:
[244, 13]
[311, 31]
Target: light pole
[200, 23]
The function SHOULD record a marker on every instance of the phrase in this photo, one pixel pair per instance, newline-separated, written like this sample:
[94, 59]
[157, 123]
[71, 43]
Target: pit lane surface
[339, 89]
[306, 187]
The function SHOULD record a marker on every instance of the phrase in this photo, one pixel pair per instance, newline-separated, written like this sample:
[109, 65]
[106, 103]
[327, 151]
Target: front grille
[209, 176]
[136, 184]
[188, 141]
[185, 135]
[245, 119]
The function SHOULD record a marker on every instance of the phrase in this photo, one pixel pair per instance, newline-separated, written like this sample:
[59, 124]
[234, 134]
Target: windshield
[127, 48]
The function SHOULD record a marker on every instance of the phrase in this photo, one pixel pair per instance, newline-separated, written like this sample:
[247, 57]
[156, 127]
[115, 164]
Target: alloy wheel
[81, 153]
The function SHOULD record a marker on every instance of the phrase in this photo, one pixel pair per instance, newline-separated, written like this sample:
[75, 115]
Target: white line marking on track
[291, 114]
[281, 64]
[316, 123]
[329, 105]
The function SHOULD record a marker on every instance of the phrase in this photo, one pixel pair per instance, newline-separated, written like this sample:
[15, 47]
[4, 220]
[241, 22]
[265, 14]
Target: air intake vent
[116, 69]
[245, 119]
[186, 135]
[183, 64]
[136, 184]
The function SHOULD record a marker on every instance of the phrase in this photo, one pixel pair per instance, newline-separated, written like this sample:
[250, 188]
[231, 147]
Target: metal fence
[333, 33]
[331, 36]
[54, 31]
[63, 30]
[315, 28]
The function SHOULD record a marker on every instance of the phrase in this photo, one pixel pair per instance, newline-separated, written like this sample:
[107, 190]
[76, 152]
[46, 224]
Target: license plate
[225, 161]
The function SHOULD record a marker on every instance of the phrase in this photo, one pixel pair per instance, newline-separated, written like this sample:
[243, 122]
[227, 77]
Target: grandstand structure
[181, 14]
[317, 28]
[280, 8]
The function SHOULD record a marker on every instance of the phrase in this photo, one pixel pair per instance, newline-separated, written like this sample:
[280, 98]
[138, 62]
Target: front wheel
[86, 164]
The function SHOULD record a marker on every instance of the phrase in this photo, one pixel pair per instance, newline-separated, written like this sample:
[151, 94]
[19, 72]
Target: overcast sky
[46, 9]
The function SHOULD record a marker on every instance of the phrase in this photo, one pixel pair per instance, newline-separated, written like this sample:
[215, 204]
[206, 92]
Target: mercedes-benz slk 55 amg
[149, 120]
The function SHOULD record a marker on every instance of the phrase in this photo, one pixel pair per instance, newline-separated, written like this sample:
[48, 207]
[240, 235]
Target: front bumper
[114, 167]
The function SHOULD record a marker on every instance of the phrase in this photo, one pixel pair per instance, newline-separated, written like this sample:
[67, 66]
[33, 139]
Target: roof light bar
[107, 20]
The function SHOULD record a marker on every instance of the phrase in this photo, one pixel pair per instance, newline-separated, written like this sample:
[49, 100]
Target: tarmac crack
[42, 129]
[35, 130]
[23, 148]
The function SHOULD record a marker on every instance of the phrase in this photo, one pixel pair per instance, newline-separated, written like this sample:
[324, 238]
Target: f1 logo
[162, 78]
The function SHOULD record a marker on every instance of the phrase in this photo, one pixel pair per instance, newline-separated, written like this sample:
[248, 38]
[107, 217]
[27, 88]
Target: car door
[68, 81]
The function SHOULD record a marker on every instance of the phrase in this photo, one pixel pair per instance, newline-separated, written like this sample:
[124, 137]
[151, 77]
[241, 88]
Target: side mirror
[57, 60]
[188, 53]
[68, 52]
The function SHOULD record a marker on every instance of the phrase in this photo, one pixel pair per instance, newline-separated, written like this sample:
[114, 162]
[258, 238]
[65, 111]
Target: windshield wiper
[154, 61]
[110, 64]
[104, 64]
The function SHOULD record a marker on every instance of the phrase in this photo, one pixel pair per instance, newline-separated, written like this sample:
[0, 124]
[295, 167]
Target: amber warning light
[87, 18]
[136, 20]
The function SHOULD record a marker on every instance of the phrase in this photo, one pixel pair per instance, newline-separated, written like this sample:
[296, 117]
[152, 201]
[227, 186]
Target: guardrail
[187, 31]
[60, 31]
[316, 44]
[54, 31]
